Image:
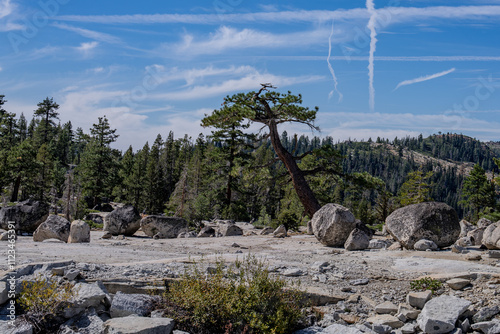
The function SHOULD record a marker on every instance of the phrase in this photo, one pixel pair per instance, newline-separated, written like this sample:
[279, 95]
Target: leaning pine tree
[271, 109]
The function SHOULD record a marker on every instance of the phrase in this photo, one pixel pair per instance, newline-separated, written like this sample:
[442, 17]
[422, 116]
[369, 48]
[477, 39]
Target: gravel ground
[378, 274]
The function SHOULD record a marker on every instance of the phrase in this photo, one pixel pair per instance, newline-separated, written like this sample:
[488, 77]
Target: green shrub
[289, 219]
[426, 283]
[240, 298]
[94, 225]
[43, 300]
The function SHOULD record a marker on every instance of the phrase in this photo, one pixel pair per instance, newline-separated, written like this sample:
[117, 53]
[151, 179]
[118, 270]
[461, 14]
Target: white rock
[440, 314]
[79, 232]
[418, 299]
[139, 325]
[424, 244]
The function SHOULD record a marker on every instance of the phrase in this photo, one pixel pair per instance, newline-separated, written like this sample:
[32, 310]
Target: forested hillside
[219, 177]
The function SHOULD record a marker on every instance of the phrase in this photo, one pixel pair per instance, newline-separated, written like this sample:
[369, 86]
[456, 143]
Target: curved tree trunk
[306, 195]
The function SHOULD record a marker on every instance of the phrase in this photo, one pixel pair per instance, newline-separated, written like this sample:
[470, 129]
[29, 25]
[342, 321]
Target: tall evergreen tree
[98, 167]
[47, 112]
[478, 192]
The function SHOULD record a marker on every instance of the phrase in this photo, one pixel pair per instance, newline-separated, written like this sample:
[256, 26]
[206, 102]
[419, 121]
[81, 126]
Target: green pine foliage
[232, 174]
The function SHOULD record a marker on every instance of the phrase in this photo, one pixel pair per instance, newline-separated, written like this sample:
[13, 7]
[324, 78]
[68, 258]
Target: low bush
[289, 219]
[426, 283]
[239, 298]
[43, 300]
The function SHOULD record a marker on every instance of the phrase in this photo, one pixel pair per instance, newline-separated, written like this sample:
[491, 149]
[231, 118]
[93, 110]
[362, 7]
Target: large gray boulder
[163, 227]
[125, 220]
[476, 236]
[465, 227]
[124, 305]
[357, 240]
[87, 323]
[87, 295]
[332, 225]
[54, 227]
[139, 325]
[229, 229]
[483, 222]
[433, 221]
[440, 314]
[27, 215]
[491, 236]
[79, 232]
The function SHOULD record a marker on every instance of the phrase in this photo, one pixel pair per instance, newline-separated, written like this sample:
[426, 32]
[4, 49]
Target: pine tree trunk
[306, 195]
[15, 191]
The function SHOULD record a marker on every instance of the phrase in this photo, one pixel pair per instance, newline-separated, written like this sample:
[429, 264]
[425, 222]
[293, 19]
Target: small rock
[280, 232]
[408, 329]
[377, 244]
[381, 329]
[395, 246]
[408, 312]
[494, 254]
[473, 257]
[107, 235]
[386, 308]
[424, 245]
[266, 231]
[458, 283]
[458, 249]
[292, 272]
[418, 299]
[386, 319]
[235, 245]
[361, 281]
[349, 318]
[357, 240]
[71, 274]
[486, 314]
[134, 324]
[487, 327]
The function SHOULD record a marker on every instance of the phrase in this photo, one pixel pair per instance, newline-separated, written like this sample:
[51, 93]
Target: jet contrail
[335, 83]
[424, 78]
[373, 41]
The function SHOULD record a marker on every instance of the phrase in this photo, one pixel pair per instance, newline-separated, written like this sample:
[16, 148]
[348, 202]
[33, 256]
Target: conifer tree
[416, 189]
[478, 192]
[47, 112]
[97, 170]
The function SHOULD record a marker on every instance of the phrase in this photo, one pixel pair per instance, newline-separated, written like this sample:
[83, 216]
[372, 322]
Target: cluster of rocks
[91, 309]
[426, 226]
[422, 312]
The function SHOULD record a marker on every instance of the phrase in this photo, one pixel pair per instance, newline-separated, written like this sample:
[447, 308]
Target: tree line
[264, 177]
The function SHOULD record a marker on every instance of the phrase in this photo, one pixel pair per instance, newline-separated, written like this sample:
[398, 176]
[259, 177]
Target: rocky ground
[350, 283]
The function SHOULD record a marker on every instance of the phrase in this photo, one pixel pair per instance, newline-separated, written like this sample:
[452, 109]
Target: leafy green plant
[238, 298]
[426, 283]
[290, 219]
[43, 300]
[94, 225]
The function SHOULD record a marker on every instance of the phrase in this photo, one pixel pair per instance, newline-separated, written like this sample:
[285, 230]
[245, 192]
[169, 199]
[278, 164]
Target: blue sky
[376, 68]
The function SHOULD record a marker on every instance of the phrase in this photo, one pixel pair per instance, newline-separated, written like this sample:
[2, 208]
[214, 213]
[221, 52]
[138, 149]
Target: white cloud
[6, 8]
[247, 82]
[364, 125]
[389, 14]
[98, 36]
[424, 78]
[226, 38]
[86, 48]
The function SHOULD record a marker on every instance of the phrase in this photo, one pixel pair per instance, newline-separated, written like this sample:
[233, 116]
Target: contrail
[373, 41]
[424, 78]
[335, 83]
